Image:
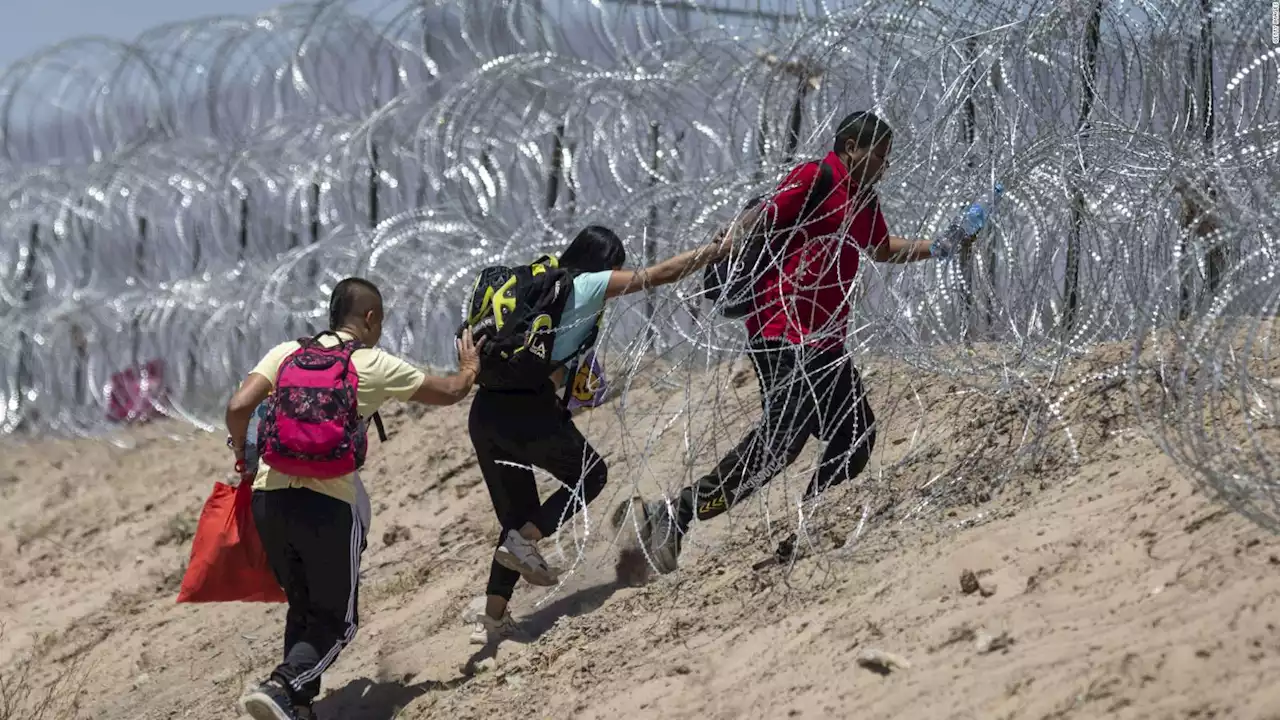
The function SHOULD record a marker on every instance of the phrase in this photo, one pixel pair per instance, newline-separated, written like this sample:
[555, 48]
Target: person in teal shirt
[514, 430]
[581, 312]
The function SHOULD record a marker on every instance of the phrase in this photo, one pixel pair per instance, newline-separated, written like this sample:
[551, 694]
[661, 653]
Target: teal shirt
[585, 302]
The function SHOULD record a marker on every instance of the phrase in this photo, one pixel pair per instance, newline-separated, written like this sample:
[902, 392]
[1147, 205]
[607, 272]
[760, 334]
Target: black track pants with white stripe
[313, 543]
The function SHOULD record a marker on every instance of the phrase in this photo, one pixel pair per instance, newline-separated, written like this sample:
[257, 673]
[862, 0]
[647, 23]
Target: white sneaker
[487, 630]
[519, 554]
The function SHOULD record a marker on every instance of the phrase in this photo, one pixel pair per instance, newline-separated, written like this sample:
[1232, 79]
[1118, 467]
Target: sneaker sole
[535, 576]
[261, 707]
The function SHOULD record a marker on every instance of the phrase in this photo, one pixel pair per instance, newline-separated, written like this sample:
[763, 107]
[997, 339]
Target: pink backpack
[312, 427]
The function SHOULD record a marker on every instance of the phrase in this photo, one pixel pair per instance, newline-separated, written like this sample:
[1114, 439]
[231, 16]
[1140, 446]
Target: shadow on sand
[588, 599]
[540, 621]
[365, 699]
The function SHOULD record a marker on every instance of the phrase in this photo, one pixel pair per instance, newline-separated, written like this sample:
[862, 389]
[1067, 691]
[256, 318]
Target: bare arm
[901, 250]
[452, 389]
[252, 392]
[783, 209]
[742, 226]
[448, 390]
[625, 282]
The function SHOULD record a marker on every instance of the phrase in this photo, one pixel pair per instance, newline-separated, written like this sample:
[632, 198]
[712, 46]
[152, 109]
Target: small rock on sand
[395, 534]
[881, 662]
[989, 644]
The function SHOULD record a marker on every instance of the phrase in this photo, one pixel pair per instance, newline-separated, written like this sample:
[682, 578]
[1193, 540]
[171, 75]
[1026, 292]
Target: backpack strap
[544, 263]
[818, 192]
[821, 189]
[572, 370]
[315, 339]
[350, 346]
[777, 238]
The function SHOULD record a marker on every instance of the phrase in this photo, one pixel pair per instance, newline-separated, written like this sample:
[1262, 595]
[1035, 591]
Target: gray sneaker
[662, 538]
[656, 545]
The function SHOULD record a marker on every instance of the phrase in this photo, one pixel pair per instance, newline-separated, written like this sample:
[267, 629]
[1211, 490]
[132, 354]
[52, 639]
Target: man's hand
[720, 250]
[436, 390]
[240, 462]
[469, 353]
[722, 245]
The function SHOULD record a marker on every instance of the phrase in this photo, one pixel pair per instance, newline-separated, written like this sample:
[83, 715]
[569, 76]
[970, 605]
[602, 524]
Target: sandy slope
[1109, 586]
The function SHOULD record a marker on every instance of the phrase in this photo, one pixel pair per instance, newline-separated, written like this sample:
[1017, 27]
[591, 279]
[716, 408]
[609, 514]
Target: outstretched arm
[625, 282]
[901, 250]
[781, 210]
[888, 248]
[452, 389]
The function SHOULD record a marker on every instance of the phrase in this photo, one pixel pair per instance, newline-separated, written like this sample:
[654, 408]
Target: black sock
[684, 510]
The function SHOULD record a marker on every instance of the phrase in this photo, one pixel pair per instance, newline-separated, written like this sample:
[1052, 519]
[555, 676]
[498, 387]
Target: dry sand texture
[986, 581]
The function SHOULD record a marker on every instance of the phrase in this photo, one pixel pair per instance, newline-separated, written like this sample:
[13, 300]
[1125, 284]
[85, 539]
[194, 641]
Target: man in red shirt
[808, 385]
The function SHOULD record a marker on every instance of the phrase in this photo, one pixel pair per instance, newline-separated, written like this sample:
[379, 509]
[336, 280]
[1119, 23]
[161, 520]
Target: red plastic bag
[228, 563]
[137, 397]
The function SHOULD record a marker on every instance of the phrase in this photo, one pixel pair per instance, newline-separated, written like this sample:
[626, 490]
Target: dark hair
[595, 249]
[864, 128]
[352, 297]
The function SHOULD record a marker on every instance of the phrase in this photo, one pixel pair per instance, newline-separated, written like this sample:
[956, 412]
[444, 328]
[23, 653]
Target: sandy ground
[1106, 586]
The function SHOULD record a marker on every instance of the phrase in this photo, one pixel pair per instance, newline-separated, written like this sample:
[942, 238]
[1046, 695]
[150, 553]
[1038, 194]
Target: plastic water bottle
[965, 226]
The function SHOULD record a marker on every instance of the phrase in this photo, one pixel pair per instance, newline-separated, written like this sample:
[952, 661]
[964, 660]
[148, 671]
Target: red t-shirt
[808, 302]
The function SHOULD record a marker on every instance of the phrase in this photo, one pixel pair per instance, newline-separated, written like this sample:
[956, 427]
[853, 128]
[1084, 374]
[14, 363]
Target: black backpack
[517, 311]
[736, 276]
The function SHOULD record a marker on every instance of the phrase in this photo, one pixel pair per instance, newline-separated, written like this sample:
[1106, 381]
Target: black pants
[803, 393]
[512, 431]
[313, 543]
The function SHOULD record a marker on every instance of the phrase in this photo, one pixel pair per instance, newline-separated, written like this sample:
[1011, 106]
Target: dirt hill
[969, 574]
